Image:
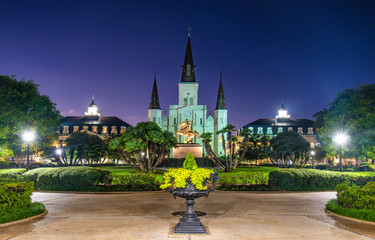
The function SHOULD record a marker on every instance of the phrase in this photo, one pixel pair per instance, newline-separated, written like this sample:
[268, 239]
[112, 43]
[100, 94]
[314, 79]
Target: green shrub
[363, 214]
[66, 178]
[190, 162]
[365, 167]
[15, 196]
[12, 173]
[34, 209]
[353, 196]
[311, 180]
[135, 182]
[250, 178]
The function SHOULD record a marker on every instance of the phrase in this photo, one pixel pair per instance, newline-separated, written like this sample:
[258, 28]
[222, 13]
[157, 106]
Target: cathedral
[188, 113]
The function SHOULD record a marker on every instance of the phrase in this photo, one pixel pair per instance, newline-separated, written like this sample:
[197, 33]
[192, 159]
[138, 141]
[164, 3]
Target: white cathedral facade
[188, 108]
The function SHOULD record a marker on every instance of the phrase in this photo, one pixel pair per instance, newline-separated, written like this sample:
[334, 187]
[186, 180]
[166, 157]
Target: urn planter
[189, 222]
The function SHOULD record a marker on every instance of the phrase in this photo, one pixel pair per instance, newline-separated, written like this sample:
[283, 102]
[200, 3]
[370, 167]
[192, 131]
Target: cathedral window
[279, 130]
[105, 130]
[269, 130]
[123, 129]
[114, 130]
[154, 119]
[185, 101]
[310, 130]
[66, 129]
[75, 129]
[190, 101]
[95, 129]
[260, 130]
[201, 121]
[174, 120]
[300, 130]
[290, 129]
[221, 120]
[188, 69]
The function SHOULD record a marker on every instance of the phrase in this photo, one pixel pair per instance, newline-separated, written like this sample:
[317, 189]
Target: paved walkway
[230, 216]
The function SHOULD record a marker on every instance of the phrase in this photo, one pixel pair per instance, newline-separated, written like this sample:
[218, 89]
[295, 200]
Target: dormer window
[95, 129]
[66, 129]
[104, 130]
[75, 129]
[260, 130]
[123, 129]
[114, 130]
[300, 130]
[310, 130]
[85, 127]
[279, 130]
[269, 130]
[290, 129]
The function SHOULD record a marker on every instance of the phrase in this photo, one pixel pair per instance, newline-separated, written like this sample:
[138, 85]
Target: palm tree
[207, 139]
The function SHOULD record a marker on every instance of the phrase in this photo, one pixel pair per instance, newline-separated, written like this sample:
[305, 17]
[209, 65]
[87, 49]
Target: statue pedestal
[183, 149]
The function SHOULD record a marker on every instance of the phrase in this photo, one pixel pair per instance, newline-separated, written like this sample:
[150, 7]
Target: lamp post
[28, 137]
[341, 139]
[312, 160]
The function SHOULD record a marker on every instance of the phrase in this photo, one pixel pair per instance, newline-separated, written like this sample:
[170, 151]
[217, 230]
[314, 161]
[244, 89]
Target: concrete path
[230, 216]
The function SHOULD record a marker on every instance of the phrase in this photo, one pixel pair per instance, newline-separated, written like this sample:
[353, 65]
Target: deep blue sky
[304, 52]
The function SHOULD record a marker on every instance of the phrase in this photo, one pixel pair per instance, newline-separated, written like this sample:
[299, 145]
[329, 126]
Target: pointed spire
[282, 105]
[154, 102]
[92, 101]
[220, 104]
[188, 69]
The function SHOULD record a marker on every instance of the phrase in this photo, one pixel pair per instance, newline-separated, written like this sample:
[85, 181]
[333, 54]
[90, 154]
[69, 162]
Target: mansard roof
[290, 122]
[92, 120]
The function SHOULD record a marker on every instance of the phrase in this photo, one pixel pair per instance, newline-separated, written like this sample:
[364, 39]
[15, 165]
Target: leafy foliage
[178, 177]
[66, 178]
[34, 209]
[12, 174]
[15, 196]
[289, 149]
[135, 182]
[363, 214]
[353, 196]
[311, 180]
[352, 111]
[22, 107]
[144, 146]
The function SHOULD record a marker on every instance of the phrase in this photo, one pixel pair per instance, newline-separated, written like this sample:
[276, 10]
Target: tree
[22, 107]
[289, 149]
[144, 146]
[207, 139]
[352, 111]
[255, 146]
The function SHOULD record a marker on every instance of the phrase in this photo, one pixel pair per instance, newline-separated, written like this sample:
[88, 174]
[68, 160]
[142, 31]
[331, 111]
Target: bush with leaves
[135, 182]
[353, 196]
[189, 172]
[15, 196]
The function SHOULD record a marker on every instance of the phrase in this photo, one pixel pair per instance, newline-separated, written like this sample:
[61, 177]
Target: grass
[34, 209]
[362, 214]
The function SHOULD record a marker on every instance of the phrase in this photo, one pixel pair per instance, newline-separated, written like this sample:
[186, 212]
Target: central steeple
[188, 69]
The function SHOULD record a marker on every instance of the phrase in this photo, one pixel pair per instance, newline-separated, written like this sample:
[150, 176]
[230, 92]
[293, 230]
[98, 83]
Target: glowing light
[59, 151]
[28, 136]
[341, 139]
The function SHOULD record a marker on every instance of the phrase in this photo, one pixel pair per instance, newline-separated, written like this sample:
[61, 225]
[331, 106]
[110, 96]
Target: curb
[24, 220]
[349, 218]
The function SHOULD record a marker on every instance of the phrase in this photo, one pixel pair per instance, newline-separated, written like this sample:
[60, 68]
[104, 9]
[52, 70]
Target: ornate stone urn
[189, 222]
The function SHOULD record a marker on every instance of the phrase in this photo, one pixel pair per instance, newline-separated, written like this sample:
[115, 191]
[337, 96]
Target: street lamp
[312, 160]
[341, 139]
[28, 137]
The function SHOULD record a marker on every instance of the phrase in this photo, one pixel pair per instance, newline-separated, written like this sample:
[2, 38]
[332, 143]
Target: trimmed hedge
[66, 178]
[311, 180]
[250, 181]
[15, 196]
[134, 182]
[12, 173]
[352, 196]
[363, 214]
[35, 208]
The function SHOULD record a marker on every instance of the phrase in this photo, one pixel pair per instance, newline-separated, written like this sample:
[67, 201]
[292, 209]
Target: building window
[105, 130]
[221, 120]
[85, 127]
[300, 130]
[290, 129]
[251, 129]
[269, 131]
[123, 129]
[75, 129]
[174, 120]
[154, 119]
[188, 70]
[310, 130]
[66, 129]
[185, 101]
[95, 129]
[279, 130]
[260, 130]
[190, 101]
[201, 121]
[114, 130]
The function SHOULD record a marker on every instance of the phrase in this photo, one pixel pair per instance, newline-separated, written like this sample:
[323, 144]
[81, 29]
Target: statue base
[183, 149]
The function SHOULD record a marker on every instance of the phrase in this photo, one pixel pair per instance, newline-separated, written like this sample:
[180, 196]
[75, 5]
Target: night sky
[303, 52]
